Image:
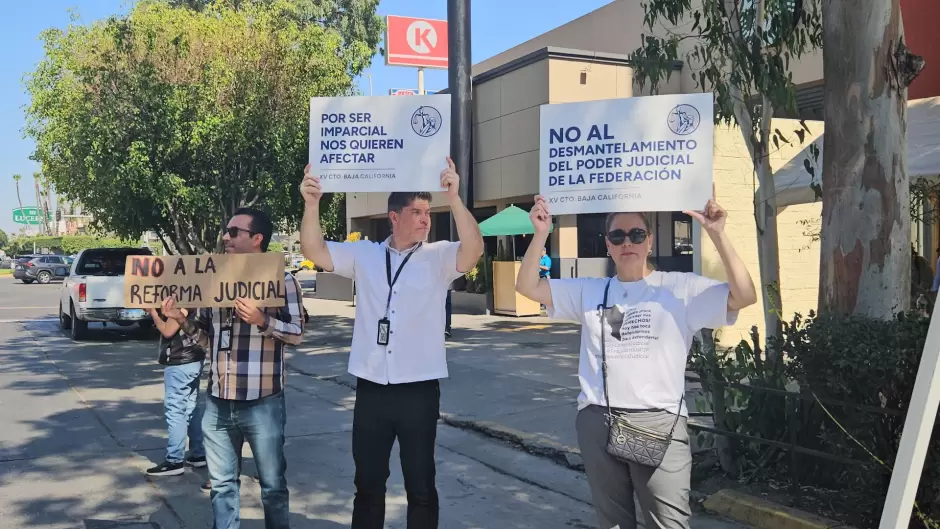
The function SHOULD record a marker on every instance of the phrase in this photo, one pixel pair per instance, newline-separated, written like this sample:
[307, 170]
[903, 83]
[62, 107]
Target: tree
[740, 50]
[865, 238]
[168, 119]
[356, 20]
[16, 180]
[4, 239]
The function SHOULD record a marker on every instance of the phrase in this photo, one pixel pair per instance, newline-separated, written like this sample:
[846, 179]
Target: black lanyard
[388, 273]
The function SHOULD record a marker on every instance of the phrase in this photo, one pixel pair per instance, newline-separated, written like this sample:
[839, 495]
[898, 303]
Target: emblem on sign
[684, 119]
[426, 121]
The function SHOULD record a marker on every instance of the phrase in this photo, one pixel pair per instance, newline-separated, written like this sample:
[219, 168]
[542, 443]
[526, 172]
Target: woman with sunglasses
[648, 319]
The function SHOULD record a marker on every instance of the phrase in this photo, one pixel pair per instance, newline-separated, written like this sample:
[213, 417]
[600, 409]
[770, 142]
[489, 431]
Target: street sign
[30, 215]
[409, 92]
[416, 42]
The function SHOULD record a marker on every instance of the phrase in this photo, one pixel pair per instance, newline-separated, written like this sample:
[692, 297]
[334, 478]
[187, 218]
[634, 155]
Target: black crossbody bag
[628, 442]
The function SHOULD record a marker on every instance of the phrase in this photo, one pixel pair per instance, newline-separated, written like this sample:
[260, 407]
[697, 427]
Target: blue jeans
[227, 424]
[183, 411]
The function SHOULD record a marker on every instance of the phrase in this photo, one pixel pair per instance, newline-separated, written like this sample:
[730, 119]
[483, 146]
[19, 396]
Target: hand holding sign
[541, 219]
[248, 313]
[712, 218]
[310, 188]
[171, 311]
[450, 181]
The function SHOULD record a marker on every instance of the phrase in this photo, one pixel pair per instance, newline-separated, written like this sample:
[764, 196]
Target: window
[591, 229]
[681, 234]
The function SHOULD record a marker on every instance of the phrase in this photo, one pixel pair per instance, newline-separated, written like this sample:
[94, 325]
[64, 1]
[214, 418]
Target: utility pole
[458, 75]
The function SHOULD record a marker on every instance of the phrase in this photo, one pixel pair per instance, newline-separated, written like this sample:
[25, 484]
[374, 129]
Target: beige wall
[617, 28]
[506, 132]
[799, 256]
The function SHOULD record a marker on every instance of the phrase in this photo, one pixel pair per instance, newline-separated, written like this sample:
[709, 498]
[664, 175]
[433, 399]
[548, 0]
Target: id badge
[225, 338]
[384, 326]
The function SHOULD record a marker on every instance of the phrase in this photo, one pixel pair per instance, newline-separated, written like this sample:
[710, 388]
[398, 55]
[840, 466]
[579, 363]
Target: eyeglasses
[234, 230]
[618, 236]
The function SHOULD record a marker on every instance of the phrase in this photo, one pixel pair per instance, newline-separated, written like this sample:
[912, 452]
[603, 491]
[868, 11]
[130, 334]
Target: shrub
[854, 360]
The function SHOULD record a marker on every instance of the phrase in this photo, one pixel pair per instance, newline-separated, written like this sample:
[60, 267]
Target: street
[82, 421]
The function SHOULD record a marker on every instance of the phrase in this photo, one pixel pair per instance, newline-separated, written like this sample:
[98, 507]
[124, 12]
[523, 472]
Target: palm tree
[17, 178]
[41, 203]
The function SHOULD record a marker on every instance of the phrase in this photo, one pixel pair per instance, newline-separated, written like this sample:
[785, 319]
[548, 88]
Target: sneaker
[166, 469]
[196, 462]
[207, 486]
[447, 333]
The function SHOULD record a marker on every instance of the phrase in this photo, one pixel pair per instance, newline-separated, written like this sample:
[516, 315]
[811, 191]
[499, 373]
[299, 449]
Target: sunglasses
[233, 231]
[618, 236]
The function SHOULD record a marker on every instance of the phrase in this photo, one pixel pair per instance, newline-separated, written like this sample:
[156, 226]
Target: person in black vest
[183, 359]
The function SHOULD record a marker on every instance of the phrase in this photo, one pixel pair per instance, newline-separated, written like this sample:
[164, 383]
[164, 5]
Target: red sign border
[412, 64]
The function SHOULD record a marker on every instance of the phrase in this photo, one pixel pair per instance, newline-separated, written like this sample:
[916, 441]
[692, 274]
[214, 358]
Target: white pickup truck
[94, 292]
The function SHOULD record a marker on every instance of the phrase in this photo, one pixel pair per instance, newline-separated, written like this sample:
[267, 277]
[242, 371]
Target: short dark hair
[260, 224]
[400, 200]
[647, 220]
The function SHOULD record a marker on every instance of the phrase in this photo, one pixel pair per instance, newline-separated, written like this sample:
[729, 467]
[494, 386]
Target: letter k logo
[421, 37]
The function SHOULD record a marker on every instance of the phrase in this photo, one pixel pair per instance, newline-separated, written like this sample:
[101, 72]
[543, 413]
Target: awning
[792, 181]
[510, 221]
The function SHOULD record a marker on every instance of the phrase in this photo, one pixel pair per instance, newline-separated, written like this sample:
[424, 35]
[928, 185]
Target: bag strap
[602, 308]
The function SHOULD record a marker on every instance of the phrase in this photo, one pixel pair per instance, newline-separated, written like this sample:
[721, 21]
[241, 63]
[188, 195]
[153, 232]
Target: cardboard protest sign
[210, 280]
[379, 144]
[636, 154]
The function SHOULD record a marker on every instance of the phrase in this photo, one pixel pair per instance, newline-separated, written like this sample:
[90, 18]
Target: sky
[497, 25]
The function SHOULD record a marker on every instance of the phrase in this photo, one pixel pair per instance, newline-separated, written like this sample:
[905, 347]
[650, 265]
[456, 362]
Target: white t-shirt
[650, 325]
[415, 350]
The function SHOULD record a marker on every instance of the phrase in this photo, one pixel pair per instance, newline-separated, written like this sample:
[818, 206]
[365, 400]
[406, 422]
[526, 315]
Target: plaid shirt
[254, 366]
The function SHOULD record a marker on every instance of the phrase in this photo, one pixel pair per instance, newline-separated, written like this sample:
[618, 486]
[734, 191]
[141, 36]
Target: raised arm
[712, 218]
[198, 330]
[528, 283]
[169, 327]
[468, 231]
[312, 243]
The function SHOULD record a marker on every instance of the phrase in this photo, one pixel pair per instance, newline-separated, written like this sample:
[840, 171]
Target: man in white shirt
[397, 351]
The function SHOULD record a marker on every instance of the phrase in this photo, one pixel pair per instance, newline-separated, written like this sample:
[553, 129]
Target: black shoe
[196, 462]
[207, 486]
[166, 469]
[447, 333]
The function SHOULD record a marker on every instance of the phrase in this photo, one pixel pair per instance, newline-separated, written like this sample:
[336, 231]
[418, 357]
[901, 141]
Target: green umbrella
[510, 221]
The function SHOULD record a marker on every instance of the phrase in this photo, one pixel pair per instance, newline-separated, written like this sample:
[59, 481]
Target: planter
[506, 301]
[333, 286]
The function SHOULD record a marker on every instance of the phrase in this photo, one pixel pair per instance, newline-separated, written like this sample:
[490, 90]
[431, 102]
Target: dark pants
[448, 310]
[384, 412]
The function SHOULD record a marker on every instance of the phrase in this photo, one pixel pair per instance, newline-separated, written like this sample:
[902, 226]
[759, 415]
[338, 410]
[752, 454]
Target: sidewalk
[512, 379]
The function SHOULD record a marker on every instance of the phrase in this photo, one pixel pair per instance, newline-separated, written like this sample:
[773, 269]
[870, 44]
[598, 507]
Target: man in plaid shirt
[246, 382]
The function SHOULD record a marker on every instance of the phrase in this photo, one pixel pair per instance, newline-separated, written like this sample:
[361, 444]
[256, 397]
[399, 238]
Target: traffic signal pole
[458, 70]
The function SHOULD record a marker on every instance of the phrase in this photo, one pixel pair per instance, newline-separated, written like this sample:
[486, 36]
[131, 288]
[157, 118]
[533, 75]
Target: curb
[533, 444]
[762, 514]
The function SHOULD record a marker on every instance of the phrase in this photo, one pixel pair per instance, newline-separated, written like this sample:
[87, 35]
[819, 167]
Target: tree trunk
[765, 211]
[865, 238]
[768, 251]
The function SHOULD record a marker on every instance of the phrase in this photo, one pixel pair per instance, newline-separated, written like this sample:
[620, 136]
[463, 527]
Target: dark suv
[41, 268]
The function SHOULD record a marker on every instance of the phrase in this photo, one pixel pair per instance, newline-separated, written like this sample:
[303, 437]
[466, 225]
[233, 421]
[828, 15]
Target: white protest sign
[379, 144]
[635, 154]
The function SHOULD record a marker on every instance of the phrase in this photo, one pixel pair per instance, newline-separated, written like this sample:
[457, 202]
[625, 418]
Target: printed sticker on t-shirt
[630, 333]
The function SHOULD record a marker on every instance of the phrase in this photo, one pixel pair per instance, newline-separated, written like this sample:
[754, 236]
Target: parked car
[19, 267]
[42, 269]
[94, 292]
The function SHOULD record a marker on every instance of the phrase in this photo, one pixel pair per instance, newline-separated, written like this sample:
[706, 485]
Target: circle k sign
[415, 42]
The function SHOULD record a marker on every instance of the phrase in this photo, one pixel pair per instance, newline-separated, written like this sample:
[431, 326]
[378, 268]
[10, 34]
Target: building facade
[586, 60]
